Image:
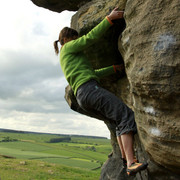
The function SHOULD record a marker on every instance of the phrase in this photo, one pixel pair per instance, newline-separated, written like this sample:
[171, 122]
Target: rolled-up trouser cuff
[127, 123]
[126, 131]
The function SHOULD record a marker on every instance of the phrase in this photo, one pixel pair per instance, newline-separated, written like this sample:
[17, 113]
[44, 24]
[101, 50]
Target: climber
[84, 81]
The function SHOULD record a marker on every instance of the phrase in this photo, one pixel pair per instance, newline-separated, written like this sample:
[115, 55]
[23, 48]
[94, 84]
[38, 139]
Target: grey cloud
[28, 65]
[31, 84]
[31, 81]
[26, 69]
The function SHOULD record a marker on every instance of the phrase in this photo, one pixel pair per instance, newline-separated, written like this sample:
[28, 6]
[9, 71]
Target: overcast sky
[31, 81]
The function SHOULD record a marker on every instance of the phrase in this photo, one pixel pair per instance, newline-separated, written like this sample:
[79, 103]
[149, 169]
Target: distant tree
[56, 140]
[8, 139]
[90, 148]
[93, 148]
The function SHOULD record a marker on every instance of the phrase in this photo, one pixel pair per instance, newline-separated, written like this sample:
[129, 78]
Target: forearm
[119, 68]
[95, 34]
[105, 71]
[87, 40]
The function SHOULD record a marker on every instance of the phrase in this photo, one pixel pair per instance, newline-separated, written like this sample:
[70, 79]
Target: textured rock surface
[149, 47]
[60, 5]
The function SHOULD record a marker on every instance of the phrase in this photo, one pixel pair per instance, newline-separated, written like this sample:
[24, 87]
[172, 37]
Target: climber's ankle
[123, 157]
[130, 162]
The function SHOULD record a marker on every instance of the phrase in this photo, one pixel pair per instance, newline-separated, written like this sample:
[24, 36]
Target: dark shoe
[136, 167]
[125, 162]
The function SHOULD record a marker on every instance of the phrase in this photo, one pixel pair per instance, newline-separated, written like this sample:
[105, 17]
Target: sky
[32, 85]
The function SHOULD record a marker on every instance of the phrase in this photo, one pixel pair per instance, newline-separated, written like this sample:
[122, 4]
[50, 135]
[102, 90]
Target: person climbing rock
[85, 82]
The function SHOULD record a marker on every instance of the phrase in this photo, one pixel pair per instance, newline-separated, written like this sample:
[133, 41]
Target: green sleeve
[87, 40]
[104, 71]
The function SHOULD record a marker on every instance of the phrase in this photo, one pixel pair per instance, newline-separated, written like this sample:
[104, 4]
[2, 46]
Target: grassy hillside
[17, 169]
[80, 152]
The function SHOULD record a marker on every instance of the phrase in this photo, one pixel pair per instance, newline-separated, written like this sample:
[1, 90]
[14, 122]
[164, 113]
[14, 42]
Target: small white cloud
[39, 29]
[25, 93]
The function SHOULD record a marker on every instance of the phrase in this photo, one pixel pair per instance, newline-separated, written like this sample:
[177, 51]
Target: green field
[81, 157]
[17, 169]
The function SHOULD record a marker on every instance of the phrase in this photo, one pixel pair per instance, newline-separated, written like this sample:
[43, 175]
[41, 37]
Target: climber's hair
[66, 32]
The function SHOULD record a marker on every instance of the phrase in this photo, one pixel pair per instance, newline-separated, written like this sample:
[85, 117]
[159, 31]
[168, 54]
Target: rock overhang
[60, 5]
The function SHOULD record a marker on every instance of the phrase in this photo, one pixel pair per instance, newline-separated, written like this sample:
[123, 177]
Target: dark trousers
[90, 96]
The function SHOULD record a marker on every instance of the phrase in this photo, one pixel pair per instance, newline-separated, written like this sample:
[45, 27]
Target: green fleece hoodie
[75, 65]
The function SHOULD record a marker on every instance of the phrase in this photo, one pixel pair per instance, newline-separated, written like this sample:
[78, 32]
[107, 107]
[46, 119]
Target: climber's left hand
[119, 67]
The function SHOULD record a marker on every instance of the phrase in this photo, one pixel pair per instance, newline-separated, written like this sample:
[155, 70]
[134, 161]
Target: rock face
[60, 5]
[150, 47]
[148, 43]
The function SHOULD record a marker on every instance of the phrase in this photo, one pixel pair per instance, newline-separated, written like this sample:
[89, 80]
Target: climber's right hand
[116, 14]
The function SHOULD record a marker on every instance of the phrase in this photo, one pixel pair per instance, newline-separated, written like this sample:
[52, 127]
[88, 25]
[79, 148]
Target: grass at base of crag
[11, 169]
